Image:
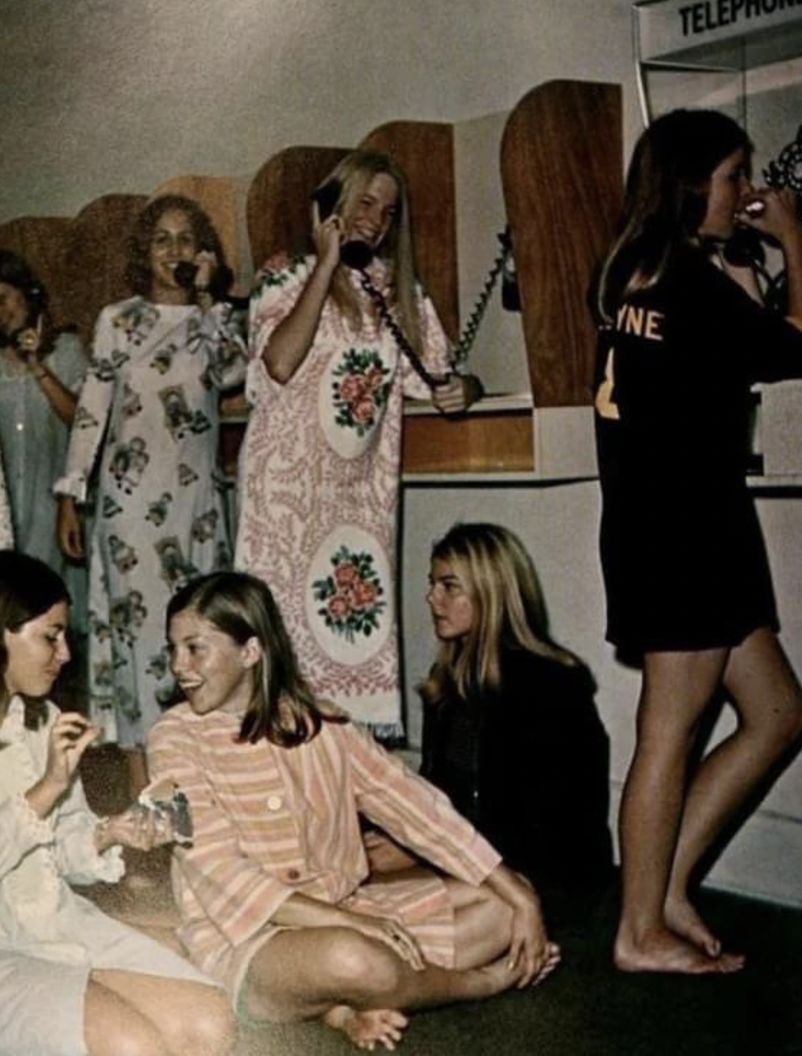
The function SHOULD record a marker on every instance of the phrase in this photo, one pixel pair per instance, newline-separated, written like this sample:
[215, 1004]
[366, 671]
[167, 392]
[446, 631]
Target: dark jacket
[529, 767]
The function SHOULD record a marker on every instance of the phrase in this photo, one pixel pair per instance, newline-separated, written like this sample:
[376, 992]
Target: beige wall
[102, 95]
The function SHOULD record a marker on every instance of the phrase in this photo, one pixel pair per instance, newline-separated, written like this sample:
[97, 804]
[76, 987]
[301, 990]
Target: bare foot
[667, 952]
[495, 977]
[552, 960]
[368, 1027]
[683, 919]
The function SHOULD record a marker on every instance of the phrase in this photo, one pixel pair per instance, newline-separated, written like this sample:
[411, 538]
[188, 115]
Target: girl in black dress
[688, 586]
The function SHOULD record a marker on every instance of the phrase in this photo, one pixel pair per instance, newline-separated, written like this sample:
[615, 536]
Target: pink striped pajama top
[271, 821]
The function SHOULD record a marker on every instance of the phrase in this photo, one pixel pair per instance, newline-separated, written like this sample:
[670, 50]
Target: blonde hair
[354, 174]
[509, 613]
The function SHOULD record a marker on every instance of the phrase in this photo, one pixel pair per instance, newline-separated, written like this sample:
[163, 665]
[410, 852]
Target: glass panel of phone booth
[700, 54]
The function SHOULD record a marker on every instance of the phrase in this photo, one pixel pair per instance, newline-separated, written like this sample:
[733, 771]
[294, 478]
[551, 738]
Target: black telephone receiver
[219, 283]
[745, 249]
[355, 253]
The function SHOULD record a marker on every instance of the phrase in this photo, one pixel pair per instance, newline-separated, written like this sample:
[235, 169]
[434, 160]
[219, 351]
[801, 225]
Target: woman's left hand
[531, 954]
[780, 216]
[457, 393]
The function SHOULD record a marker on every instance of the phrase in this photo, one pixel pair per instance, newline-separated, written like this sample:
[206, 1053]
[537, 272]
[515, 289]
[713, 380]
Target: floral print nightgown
[318, 490]
[150, 406]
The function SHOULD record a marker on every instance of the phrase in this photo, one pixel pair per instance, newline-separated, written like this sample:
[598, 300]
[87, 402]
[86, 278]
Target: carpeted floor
[586, 1008]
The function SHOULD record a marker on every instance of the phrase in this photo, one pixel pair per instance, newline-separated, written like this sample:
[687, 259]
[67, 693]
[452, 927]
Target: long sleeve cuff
[74, 484]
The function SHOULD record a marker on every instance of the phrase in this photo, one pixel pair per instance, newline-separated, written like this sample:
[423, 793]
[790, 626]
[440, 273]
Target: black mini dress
[684, 563]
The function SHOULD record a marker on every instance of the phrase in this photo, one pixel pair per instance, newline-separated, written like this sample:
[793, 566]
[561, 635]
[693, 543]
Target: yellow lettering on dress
[654, 322]
[642, 322]
[604, 403]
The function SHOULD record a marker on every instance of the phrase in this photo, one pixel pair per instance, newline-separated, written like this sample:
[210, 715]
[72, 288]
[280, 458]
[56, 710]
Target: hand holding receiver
[28, 342]
[203, 274]
[456, 393]
[772, 211]
[68, 528]
[353, 253]
[328, 237]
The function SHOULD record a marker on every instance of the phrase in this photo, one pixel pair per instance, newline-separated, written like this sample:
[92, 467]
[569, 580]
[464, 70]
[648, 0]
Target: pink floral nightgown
[319, 478]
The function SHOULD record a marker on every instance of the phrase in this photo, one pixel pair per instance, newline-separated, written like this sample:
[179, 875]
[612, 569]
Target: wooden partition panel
[279, 199]
[425, 153]
[561, 166]
[96, 255]
[41, 241]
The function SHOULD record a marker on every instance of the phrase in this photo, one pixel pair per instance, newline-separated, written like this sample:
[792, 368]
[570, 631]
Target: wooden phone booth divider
[81, 260]
[279, 200]
[95, 257]
[561, 167]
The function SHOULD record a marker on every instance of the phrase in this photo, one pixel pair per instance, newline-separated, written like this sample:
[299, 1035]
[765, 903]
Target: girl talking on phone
[689, 592]
[41, 372]
[319, 468]
[148, 416]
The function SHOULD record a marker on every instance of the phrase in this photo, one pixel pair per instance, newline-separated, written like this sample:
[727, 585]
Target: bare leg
[112, 1026]
[190, 1019]
[677, 688]
[482, 925]
[768, 699]
[483, 929]
[340, 975]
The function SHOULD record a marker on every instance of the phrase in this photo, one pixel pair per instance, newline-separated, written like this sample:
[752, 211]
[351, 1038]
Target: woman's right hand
[29, 343]
[68, 528]
[69, 737]
[328, 236]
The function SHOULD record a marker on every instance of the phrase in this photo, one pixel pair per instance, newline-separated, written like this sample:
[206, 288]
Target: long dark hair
[28, 588]
[16, 272]
[283, 708]
[665, 199]
[138, 272]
